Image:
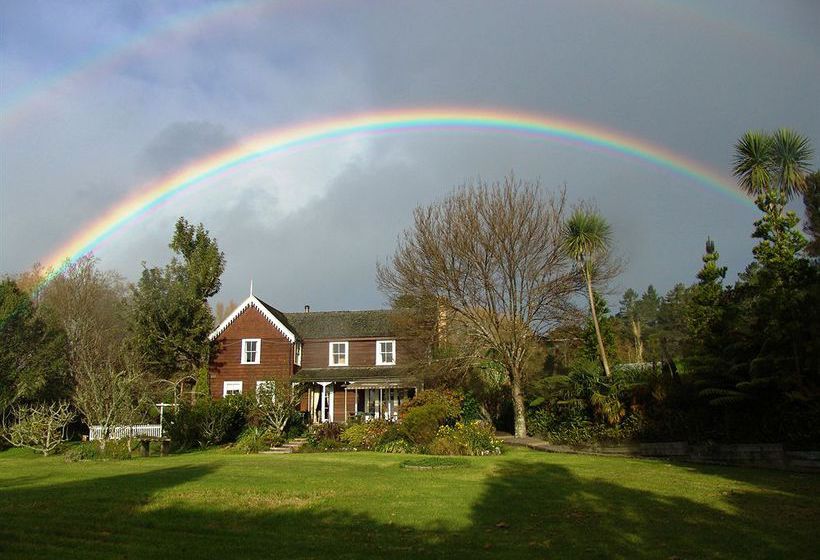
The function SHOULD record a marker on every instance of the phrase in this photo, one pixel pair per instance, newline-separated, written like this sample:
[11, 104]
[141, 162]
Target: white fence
[119, 432]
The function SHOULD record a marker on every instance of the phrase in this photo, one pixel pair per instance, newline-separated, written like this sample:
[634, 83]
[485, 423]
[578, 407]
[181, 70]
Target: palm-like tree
[792, 154]
[753, 162]
[774, 164]
[586, 236]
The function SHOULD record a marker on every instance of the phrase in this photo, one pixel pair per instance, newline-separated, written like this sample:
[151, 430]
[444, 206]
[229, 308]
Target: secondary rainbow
[559, 129]
[16, 104]
[99, 63]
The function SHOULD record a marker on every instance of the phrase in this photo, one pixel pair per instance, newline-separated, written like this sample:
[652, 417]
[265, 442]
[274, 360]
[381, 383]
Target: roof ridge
[334, 311]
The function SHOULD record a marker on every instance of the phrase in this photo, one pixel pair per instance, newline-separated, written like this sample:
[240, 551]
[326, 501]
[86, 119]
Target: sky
[100, 99]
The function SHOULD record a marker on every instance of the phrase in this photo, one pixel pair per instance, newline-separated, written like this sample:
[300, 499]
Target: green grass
[434, 463]
[523, 504]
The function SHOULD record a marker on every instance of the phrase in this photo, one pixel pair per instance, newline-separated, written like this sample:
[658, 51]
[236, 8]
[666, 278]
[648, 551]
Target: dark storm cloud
[182, 142]
[691, 77]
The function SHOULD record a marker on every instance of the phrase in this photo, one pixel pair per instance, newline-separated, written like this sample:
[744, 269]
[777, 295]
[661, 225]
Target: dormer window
[337, 354]
[385, 352]
[251, 350]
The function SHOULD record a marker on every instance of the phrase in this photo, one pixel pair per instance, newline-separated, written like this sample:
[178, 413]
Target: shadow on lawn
[788, 482]
[527, 510]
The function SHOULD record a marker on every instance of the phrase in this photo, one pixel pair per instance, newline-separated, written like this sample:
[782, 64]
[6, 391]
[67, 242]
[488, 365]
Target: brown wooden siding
[361, 352]
[276, 359]
[339, 402]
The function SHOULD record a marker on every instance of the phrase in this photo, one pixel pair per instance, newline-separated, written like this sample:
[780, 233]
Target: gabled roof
[343, 324]
[273, 315]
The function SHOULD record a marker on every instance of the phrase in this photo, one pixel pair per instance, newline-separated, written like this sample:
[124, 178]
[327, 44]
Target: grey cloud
[182, 142]
[692, 84]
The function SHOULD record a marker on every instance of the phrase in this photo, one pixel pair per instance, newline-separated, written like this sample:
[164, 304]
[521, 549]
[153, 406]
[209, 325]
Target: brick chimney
[307, 309]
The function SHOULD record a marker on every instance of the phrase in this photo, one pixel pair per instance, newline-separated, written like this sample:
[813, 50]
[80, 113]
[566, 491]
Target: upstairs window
[251, 350]
[385, 352]
[337, 354]
[297, 359]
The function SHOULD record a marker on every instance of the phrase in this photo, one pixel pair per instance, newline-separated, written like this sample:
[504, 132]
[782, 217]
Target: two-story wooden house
[351, 362]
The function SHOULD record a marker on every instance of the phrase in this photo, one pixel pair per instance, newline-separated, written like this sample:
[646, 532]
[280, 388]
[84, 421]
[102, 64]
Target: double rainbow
[278, 140]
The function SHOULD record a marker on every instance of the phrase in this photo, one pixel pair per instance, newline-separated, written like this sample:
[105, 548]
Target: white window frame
[243, 357]
[270, 382]
[379, 361]
[297, 357]
[330, 353]
[231, 386]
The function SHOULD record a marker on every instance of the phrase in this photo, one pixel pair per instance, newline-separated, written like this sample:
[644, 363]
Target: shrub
[326, 444]
[445, 444]
[587, 432]
[569, 415]
[368, 435]
[323, 432]
[255, 440]
[446, 400]
[396, 446]
[297, 426]
[479, 438]
[208, 422]
[223, 420]
[466, 438]
[470, 408]
[539, 421]
[115, 450]
[420, 424]
[354, 435]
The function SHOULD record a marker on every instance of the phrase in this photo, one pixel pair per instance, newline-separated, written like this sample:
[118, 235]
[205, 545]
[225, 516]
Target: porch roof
[390, 374]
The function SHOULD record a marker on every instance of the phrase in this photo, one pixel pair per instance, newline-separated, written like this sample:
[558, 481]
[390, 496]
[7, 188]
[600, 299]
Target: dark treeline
[708, 360]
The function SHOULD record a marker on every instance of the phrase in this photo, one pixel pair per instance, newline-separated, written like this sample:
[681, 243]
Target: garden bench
[145, 445]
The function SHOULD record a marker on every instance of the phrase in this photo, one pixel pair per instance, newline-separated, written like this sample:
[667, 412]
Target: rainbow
[573, 132]
[16, 104]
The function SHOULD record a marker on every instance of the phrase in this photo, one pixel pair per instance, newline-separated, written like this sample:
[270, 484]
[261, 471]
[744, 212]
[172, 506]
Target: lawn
[523, 504]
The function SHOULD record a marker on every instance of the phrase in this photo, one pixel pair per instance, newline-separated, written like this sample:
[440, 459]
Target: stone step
[278, 450]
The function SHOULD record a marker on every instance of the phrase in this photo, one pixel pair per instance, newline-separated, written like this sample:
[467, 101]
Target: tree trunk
[636, 334]
[601, 349]
[518, 405]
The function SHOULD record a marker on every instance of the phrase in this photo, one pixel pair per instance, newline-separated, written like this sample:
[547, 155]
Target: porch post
[324, 402]
[345, 404]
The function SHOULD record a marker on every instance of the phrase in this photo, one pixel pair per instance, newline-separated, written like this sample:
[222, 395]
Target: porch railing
[119, 432]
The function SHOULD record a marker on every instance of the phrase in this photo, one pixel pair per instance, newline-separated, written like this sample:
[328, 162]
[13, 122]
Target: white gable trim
[253, 302]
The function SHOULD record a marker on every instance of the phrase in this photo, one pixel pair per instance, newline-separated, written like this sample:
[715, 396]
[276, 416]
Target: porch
[337, 395]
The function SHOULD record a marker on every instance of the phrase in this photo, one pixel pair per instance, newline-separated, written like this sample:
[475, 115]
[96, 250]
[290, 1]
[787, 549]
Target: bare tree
[222, 310]
[40, 427]
[491, 256]
[110, 387]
